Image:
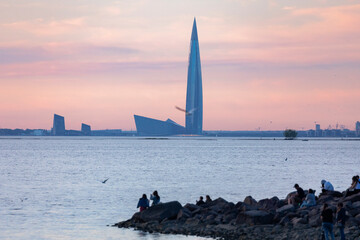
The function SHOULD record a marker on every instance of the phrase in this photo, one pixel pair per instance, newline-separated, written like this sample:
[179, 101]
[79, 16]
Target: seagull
[105, 180]
[186, 112]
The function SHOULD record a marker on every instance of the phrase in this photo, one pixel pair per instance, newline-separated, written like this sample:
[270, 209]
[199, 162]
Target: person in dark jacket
[200, 202]
[340, 219]
[143, 203]
[327, 222]
[298, 197]
[208, 199]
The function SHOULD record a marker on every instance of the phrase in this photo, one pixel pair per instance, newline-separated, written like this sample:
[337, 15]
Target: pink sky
[266, 64]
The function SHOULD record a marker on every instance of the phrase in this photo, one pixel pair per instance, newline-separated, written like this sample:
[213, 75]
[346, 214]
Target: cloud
[43, 27]
[58, 52]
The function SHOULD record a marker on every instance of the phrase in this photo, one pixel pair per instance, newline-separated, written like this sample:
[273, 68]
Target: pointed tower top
[194, 35]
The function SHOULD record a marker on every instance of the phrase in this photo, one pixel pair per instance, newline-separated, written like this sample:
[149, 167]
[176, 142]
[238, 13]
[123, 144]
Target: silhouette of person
[143, 203]
[155, 198]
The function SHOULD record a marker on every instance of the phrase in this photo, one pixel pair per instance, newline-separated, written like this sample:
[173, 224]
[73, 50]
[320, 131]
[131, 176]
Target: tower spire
[194, 97]
[194, 35]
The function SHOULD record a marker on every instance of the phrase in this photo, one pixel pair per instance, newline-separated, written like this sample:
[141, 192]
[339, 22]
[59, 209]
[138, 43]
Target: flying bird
[186, 112]
[105, 180]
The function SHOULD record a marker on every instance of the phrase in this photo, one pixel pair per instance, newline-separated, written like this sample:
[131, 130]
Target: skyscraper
[194, 97]
[58, 126]
[357, 128]
[194, 101]
[86, 129]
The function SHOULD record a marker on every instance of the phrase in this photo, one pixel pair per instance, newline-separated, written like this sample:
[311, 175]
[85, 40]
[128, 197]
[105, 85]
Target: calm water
[50, 188]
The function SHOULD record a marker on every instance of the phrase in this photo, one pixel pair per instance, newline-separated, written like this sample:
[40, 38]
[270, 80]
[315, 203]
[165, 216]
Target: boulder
[357, 217]
[255, 217]
[268, 204]
[191, 207]
[246, 207]
[192, 222]
[353, 198]
[356, 205]
[296, 221]
[324, 198]
[184, 213]
[284, 221]
[159, 212]
[286, 208]
[281, 203]
[250, 201]
[353, 212]
[315, 221]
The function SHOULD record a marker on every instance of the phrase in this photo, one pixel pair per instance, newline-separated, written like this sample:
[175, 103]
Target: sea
[51, 187]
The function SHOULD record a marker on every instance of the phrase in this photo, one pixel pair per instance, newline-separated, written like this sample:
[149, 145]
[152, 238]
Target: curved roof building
[194, 101]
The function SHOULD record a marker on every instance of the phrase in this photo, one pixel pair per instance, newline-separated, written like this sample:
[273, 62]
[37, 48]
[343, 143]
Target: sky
[266, 64]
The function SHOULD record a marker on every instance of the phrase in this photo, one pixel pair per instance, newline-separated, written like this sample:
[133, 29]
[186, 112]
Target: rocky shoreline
[265, 219]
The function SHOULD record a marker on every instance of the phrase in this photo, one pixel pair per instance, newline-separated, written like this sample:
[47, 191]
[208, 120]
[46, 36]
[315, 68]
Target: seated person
[155, 198]
[354, 188]
[298, 197]
[310, 199]
[326, 186]
[208, 199]
[200, 202]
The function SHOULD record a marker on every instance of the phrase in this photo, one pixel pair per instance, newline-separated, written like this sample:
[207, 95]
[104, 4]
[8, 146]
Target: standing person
[298, 196]
[155, 198]
[326, 186]
[208, 199]
[143, 203]
[327, 222]
[340, 219]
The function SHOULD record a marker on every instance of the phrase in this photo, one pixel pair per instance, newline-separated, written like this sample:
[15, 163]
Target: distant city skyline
[266, 65]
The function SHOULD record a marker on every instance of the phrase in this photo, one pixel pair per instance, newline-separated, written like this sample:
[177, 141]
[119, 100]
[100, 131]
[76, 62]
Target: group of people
[144, 202]
[327, 215]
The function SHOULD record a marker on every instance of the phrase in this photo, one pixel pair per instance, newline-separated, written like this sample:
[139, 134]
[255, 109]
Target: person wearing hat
[310, 199]
[326, 186]
[298, 197]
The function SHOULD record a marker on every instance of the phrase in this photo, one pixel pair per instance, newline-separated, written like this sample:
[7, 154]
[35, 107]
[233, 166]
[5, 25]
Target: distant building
[85, 129]
[194, 101]
[58, 126]
[357, 129]
[153, 127]
[318, 131]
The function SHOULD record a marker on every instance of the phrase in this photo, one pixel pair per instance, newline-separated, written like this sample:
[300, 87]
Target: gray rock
[191, 207]
[353, 212]
[183, 214]
[284, 221]
[353, 198]
[313, 212]
[230, 216]
[296, 221]
[192, 222]
[255, 217]
[250, 201]
[356, 205]
[159, 212]
[286, 208]
[315, 221]
[268, 204]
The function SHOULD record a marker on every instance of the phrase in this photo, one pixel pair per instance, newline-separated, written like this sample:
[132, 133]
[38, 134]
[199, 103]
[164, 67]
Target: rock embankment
[265, 219]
